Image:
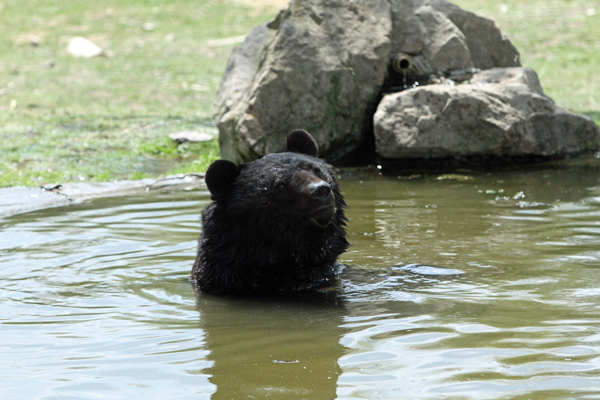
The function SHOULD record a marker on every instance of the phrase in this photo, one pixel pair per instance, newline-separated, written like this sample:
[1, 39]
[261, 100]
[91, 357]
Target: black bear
[274, 224]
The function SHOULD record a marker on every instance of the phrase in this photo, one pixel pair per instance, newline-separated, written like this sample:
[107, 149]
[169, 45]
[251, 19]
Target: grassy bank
[64, 118]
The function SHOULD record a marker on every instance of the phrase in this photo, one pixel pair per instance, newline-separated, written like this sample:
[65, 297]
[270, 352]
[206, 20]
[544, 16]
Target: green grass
[67, 119]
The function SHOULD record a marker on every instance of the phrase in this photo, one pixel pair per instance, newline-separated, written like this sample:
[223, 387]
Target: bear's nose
[320, 190]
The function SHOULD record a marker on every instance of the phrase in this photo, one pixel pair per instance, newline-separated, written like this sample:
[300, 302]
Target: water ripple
[479, 289]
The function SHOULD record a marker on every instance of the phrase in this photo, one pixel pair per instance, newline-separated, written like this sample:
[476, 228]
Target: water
[462, 286]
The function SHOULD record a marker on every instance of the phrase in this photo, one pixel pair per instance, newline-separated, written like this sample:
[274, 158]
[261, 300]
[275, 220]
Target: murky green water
[96, 304]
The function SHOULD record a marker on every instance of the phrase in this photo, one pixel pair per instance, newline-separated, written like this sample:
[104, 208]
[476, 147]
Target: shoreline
[22, 199]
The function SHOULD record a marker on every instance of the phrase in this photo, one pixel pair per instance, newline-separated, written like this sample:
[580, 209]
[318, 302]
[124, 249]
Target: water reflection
[286, 348]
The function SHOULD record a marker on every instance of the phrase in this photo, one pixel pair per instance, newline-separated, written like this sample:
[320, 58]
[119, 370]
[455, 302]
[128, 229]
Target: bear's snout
[322, 203]
[320, 191]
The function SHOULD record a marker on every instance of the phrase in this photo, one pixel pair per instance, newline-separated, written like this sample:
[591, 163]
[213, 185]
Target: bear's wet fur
[275, 224]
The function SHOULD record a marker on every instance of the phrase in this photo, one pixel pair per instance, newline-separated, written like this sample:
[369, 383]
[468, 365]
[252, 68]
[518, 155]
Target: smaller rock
[501, 112]
[191, 136]
[149, 26]
[81, 47]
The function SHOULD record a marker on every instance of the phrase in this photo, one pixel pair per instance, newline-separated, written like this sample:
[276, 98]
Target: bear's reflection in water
[283, 347]
[289, 346]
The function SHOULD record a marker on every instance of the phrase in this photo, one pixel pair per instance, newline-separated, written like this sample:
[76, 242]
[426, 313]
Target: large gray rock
[502, 112]
[320, 65]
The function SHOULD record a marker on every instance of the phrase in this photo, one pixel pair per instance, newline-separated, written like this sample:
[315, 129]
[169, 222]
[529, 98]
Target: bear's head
[276, 223]
[293, 185]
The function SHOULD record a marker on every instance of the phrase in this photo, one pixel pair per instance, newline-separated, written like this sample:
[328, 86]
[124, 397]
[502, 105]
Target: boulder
[501, 112]
[320, 66]
[489, 47]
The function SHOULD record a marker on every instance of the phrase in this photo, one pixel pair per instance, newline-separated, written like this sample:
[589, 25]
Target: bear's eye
[280, 186]
[317, 172]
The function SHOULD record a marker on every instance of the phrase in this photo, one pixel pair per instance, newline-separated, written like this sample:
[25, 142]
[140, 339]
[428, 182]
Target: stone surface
[19, 200]
[320, 66]
[237, 78]
[81, 47]
[489, 48]
[190, 136]
[502, 112]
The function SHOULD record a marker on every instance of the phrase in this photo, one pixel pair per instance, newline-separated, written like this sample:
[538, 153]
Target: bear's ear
[220, 176]
[300, 141]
